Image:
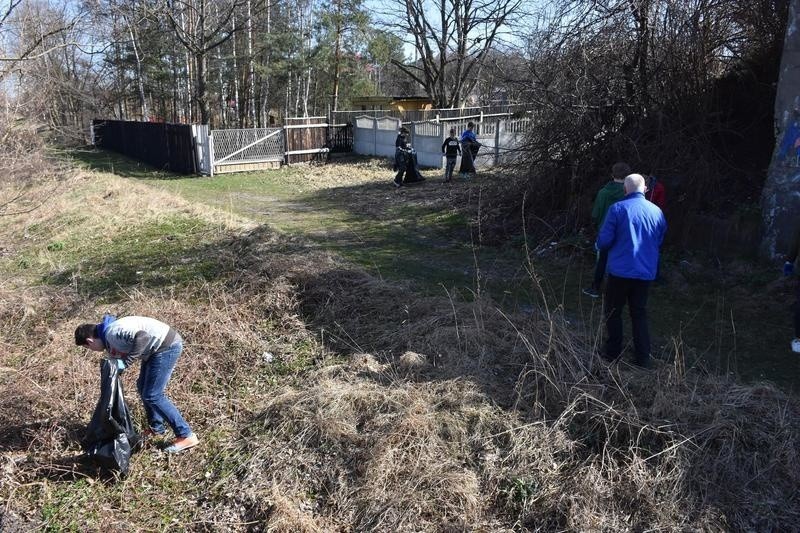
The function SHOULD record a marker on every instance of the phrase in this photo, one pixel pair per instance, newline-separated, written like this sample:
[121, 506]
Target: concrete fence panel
[427, 138]
[364, 135]
[501, 139]
[385, 135]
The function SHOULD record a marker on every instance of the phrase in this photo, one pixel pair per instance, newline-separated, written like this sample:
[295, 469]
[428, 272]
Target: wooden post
[497, 142]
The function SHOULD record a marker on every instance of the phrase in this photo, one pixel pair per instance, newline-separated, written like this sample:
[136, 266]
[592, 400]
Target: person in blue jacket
[632, 234]
[469, 150]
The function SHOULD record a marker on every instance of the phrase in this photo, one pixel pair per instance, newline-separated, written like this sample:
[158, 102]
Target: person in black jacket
[405, 160]
[451, 149]
[402, 151]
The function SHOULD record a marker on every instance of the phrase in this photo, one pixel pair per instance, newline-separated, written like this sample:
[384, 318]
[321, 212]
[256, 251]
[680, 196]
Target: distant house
[391, 103]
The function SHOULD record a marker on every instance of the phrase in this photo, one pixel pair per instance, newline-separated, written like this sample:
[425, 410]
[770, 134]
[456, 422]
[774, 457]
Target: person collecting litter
[451, 149]
[612, 192]
[632, 234]
[788, 270]
[469, 151]
[157, 346]
[405, 160]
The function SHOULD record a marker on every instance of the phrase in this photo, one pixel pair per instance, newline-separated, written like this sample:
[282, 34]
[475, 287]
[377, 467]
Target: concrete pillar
[780, 199]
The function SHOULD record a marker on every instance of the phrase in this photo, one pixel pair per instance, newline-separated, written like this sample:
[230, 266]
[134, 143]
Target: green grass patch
[171, 252]
[716, 316]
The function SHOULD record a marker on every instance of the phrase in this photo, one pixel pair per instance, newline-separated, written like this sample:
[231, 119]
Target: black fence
[164, 146]
[340, 138]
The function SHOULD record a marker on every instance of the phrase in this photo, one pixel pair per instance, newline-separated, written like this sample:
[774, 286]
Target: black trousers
[600, 269]
[633, 292]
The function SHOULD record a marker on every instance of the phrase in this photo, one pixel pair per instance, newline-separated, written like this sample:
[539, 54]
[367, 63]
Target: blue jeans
[153, 378]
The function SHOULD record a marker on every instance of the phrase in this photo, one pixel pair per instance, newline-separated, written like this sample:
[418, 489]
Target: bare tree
[452, 39]
[201, 29]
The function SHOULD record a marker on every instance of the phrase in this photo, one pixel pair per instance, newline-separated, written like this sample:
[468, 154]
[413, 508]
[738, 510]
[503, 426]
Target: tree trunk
[337, 55]
[236, 108]
[139, 75]
[251, 75]
[222, 101]
[202, 85]
[780, 199]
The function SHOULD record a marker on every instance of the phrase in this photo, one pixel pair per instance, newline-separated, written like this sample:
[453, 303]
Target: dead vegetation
[380, 410]
[24, 166]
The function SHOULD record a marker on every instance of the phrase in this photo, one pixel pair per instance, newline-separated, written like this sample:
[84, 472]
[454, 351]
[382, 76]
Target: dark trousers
[448, 169]
[797, 310]
[600, 269]
[633, 292]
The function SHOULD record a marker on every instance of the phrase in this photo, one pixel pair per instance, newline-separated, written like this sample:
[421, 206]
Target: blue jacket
[632, 233]
[469, 137]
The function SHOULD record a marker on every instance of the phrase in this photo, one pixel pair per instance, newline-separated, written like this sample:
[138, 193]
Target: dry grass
[383, 410]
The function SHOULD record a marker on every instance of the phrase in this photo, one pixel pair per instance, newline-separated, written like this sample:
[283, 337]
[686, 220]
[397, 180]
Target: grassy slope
[730, 317]
[458, 416]
[106, 245]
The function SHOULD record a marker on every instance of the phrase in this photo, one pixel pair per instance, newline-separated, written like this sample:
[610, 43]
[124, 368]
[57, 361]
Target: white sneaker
[796, 346]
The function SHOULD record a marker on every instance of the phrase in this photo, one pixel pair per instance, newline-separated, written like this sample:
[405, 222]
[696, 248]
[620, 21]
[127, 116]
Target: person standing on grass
[632, 234]
[469, 150]
[657, 194]
[158, 347]
[788, 270]
[405, 160]
[450, 150]
[402, 153]
[612, 192]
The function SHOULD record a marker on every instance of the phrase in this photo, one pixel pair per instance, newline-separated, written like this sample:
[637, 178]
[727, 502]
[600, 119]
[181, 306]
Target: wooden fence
[306, 139]
[340, 138]
[191, 149]
[162, 145]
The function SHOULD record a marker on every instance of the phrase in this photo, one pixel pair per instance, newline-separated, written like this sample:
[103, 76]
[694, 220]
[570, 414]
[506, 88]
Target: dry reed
[395, 412]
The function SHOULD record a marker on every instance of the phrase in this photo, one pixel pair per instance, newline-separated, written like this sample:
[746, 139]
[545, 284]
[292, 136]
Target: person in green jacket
[788, 270]
[612, 192]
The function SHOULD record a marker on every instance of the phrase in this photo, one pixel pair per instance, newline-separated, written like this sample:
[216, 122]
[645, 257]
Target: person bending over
[157, 346]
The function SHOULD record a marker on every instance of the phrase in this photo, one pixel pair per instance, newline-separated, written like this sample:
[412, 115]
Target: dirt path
[730, 317]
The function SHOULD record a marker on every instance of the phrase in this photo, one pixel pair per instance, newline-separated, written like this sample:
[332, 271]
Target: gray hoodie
[138, 337]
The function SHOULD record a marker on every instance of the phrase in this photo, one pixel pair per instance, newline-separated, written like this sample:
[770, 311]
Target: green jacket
[611, 193]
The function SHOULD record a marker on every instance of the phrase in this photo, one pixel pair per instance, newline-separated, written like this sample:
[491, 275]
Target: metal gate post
[210, 153]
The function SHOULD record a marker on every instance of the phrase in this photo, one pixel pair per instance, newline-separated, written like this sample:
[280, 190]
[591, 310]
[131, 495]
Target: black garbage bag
[110, 438]
[469, 151]
[413, 175]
